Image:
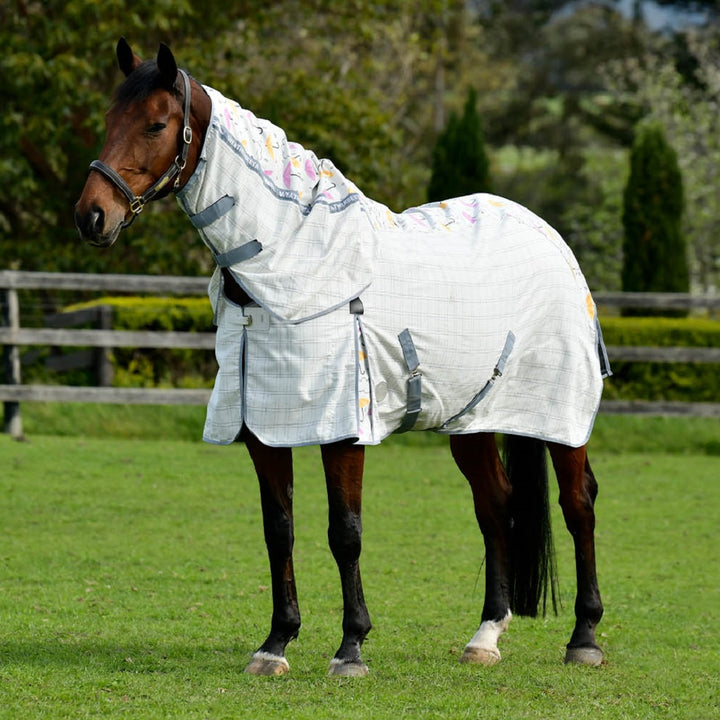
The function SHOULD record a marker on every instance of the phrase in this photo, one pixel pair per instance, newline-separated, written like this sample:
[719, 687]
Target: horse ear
[167, 65]
[127, 60]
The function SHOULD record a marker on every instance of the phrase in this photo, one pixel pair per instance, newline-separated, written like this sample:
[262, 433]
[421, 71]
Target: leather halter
[138, 202]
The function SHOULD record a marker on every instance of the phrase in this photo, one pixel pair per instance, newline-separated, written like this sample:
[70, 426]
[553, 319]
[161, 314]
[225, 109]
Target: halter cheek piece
[138, 202]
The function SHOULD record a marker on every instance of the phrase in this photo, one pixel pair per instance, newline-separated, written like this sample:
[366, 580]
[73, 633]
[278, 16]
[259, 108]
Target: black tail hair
[532, 555]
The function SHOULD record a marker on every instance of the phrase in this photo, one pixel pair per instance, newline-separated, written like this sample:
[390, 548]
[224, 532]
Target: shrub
[689, 382]
[460, 164]
[149, 367]
[654, 249]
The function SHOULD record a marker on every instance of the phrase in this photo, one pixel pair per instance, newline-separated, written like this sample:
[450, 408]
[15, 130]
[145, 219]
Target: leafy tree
[592, 226]
[559, 138]
[686, 105]
[58, 68]
[351, 81]
[460, 164]
[654, 250]
[362, 82]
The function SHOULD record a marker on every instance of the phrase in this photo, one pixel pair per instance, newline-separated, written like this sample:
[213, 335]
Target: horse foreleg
[479, 461]
[275, 474]
[343, 464]
[578, 490]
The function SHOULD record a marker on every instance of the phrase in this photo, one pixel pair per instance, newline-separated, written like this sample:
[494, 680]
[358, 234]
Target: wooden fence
[13, 336]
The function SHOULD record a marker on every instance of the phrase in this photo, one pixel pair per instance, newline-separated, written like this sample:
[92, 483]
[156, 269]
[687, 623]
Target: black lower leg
[344, 533]
[279, 538]
[275, 475]
[578, 490]
[478, 459]
[343, 464]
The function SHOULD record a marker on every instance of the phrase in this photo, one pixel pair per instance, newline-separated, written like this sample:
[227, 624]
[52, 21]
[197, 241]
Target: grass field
[133, 583]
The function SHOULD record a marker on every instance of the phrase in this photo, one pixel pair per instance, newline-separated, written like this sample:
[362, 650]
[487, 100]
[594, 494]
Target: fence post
[11, 362]
[103, 364]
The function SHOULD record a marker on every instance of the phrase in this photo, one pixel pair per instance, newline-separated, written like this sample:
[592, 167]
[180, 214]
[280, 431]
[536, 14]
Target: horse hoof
[590, 656]
[263, 663]
[480, 656]
[342, 668]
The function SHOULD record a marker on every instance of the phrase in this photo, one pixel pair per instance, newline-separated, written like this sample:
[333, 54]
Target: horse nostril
[97, 218]
[92, 223]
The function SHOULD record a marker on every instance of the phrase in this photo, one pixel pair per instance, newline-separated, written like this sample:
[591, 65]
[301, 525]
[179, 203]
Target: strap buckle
[257, 318]
[179, 166]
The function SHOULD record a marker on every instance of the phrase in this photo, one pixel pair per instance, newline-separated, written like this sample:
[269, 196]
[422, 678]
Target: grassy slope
[134, 584]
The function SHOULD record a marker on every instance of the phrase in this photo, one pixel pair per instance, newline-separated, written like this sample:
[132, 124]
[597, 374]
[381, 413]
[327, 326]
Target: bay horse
[157, 143]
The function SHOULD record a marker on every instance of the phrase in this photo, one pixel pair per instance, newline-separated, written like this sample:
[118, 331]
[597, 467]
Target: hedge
[146, 367]
[690, 382]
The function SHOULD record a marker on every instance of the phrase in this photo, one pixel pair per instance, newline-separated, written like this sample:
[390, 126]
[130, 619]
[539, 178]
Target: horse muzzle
[91, 226]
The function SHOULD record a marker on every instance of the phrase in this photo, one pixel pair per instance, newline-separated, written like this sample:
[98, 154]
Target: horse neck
[200, 112]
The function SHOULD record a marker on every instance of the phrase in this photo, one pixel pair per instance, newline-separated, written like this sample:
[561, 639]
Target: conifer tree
[654, 248]
[460, 164]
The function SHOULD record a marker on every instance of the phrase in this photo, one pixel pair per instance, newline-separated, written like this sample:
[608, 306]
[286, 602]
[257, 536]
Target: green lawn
[133, 583]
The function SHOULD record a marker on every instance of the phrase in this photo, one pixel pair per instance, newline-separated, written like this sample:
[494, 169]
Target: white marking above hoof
[483, 649]
[340, 668]
[264, 663]
[590, 656]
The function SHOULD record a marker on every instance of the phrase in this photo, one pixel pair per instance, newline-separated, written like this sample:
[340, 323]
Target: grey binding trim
[414, 384]
[238, 254]
[497, 372]
[212, 212]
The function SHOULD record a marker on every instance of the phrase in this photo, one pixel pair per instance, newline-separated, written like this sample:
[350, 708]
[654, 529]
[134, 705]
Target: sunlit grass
[134, 583]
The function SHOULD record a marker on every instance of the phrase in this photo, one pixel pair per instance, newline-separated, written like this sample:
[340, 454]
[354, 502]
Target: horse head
[154, 132]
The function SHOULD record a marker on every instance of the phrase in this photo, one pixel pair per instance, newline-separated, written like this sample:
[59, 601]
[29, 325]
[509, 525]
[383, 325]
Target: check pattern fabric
[494, 304]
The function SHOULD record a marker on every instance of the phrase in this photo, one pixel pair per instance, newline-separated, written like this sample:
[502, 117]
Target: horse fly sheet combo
[340, 322]
[470, 315]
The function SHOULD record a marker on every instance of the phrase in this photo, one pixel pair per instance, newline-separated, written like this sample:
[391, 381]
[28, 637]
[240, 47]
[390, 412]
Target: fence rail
[13, 336]
[107, 338]
[151, 284]
[118, 396]
[658, 301]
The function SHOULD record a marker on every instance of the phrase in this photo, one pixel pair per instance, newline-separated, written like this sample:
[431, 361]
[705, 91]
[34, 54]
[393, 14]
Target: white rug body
[475, 315]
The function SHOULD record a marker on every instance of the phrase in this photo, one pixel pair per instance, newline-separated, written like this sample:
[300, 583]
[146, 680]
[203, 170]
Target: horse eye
[156, 128]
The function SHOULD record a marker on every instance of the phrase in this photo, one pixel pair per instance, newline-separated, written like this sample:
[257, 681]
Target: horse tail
[532, 555]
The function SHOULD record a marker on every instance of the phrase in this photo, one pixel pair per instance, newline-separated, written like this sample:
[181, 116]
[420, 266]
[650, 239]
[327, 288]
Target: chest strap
[238, 254]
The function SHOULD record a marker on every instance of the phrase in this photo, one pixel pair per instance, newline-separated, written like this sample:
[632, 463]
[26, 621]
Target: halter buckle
[137, 205]
[179, 167]
[187, 135]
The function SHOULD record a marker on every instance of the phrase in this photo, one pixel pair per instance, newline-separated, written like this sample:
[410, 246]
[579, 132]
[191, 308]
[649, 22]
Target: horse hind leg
[275, 475]
[343, 463]
[578, 490]
[478, 459]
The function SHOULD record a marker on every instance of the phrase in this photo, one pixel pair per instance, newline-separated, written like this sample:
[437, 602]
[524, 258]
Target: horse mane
[143, 81]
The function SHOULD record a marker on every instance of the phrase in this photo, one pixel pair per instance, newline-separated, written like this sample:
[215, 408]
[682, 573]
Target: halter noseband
[138, 202]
